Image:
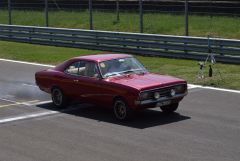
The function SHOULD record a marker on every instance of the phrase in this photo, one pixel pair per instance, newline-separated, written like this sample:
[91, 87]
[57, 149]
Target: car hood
[145, 81]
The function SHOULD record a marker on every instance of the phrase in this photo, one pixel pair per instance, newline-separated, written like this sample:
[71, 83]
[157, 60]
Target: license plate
[164, 103]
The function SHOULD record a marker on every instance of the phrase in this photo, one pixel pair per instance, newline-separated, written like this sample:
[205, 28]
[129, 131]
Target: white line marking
[43, 102]
[35, 115]
[9, 96]
[191, 85]
[7, 100]
[15, 102]
[19, 103]
[23, 117]
[220, 89]
[24, 84]
[29, 63]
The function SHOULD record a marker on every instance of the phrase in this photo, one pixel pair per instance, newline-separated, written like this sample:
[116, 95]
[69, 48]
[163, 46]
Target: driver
[115, 66]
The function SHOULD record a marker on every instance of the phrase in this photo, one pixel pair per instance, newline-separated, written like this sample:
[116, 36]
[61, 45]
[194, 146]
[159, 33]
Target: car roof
[102, 57]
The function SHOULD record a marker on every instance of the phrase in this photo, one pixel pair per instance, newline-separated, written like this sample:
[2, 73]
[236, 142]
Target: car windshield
[121, 66]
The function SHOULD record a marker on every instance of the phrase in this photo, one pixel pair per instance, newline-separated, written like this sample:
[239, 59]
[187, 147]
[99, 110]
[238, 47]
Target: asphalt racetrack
[205, 128]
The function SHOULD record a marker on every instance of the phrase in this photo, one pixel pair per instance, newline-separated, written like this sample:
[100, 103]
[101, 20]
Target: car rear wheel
[121, 110]
[169, 108]
[58, 98]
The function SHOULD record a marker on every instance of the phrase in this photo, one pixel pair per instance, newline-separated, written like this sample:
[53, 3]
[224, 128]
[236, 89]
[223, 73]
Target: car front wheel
[121, 110]
[58, 98]
[169, 108]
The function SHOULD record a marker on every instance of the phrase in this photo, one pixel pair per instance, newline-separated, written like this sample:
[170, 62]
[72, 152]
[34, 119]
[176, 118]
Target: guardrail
[225, 50]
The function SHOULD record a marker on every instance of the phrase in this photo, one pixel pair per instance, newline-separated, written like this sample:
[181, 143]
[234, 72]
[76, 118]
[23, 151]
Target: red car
[117, 81]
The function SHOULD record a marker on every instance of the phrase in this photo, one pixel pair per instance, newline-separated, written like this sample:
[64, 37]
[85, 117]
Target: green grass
[39, 53]
[158, 23]
[186, 69]
[218, 26]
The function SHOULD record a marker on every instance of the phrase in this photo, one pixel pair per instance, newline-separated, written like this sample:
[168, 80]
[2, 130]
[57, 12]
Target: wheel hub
[57, 97]
[120, 110]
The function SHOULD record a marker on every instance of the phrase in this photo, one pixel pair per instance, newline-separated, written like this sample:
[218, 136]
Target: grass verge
[157, 23]
[186, 69]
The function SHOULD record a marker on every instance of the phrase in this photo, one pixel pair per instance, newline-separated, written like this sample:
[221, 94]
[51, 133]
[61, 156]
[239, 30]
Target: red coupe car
[117, 81]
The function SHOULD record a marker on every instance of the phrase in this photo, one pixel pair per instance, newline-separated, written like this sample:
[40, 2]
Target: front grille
[166, 91]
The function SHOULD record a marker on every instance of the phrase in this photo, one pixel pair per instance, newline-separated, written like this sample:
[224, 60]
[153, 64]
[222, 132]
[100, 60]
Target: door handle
[75, 80]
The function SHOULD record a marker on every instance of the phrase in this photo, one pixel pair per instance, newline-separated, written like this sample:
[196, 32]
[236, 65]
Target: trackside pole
[46, 13]
[186, 18]
[117, 10]
[90, 15]
[9, 12]
[141, 15]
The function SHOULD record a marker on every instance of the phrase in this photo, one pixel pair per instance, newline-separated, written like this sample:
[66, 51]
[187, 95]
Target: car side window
[91, 69]
[73, 68]
[83, 68]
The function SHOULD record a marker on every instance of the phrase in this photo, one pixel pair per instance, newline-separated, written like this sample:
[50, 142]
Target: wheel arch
[118, 97]
[55, 86]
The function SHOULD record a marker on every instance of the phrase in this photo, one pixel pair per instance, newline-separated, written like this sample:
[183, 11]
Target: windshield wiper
[124, 72]
[127, 71]
[131, 71]
[111, 74]
[142, 72]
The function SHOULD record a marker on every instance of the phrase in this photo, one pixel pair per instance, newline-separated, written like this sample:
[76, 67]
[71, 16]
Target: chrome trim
[163, 87]
[160, 88]
[81, 76]
[162, 99]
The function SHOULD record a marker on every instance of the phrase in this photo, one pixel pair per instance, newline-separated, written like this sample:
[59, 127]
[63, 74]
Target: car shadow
[141, 120]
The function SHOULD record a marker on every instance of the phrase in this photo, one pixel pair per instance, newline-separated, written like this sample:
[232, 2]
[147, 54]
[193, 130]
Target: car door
[82, 83]
[88, 81]
[98, 91]
[70, 81]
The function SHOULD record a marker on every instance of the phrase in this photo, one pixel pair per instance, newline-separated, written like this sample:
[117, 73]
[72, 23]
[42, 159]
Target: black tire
[169, 108]
[121, 111]
[58, 98]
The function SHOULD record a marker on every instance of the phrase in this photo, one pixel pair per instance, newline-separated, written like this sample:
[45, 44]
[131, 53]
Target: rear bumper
[47, 90]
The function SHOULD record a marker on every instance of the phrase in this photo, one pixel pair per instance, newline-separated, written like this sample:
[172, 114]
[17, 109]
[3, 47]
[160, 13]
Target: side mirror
[97, 76]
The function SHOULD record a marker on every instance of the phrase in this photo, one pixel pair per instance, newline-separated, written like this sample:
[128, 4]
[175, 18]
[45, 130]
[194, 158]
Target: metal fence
[225, 50]
[144, 18]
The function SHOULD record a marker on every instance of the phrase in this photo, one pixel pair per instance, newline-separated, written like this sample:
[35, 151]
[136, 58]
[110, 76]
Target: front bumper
[157, 102]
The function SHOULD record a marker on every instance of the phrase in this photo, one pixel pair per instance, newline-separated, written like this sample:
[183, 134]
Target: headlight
[180, 89]
[144, 96]
[173, 92]
[156, 95]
